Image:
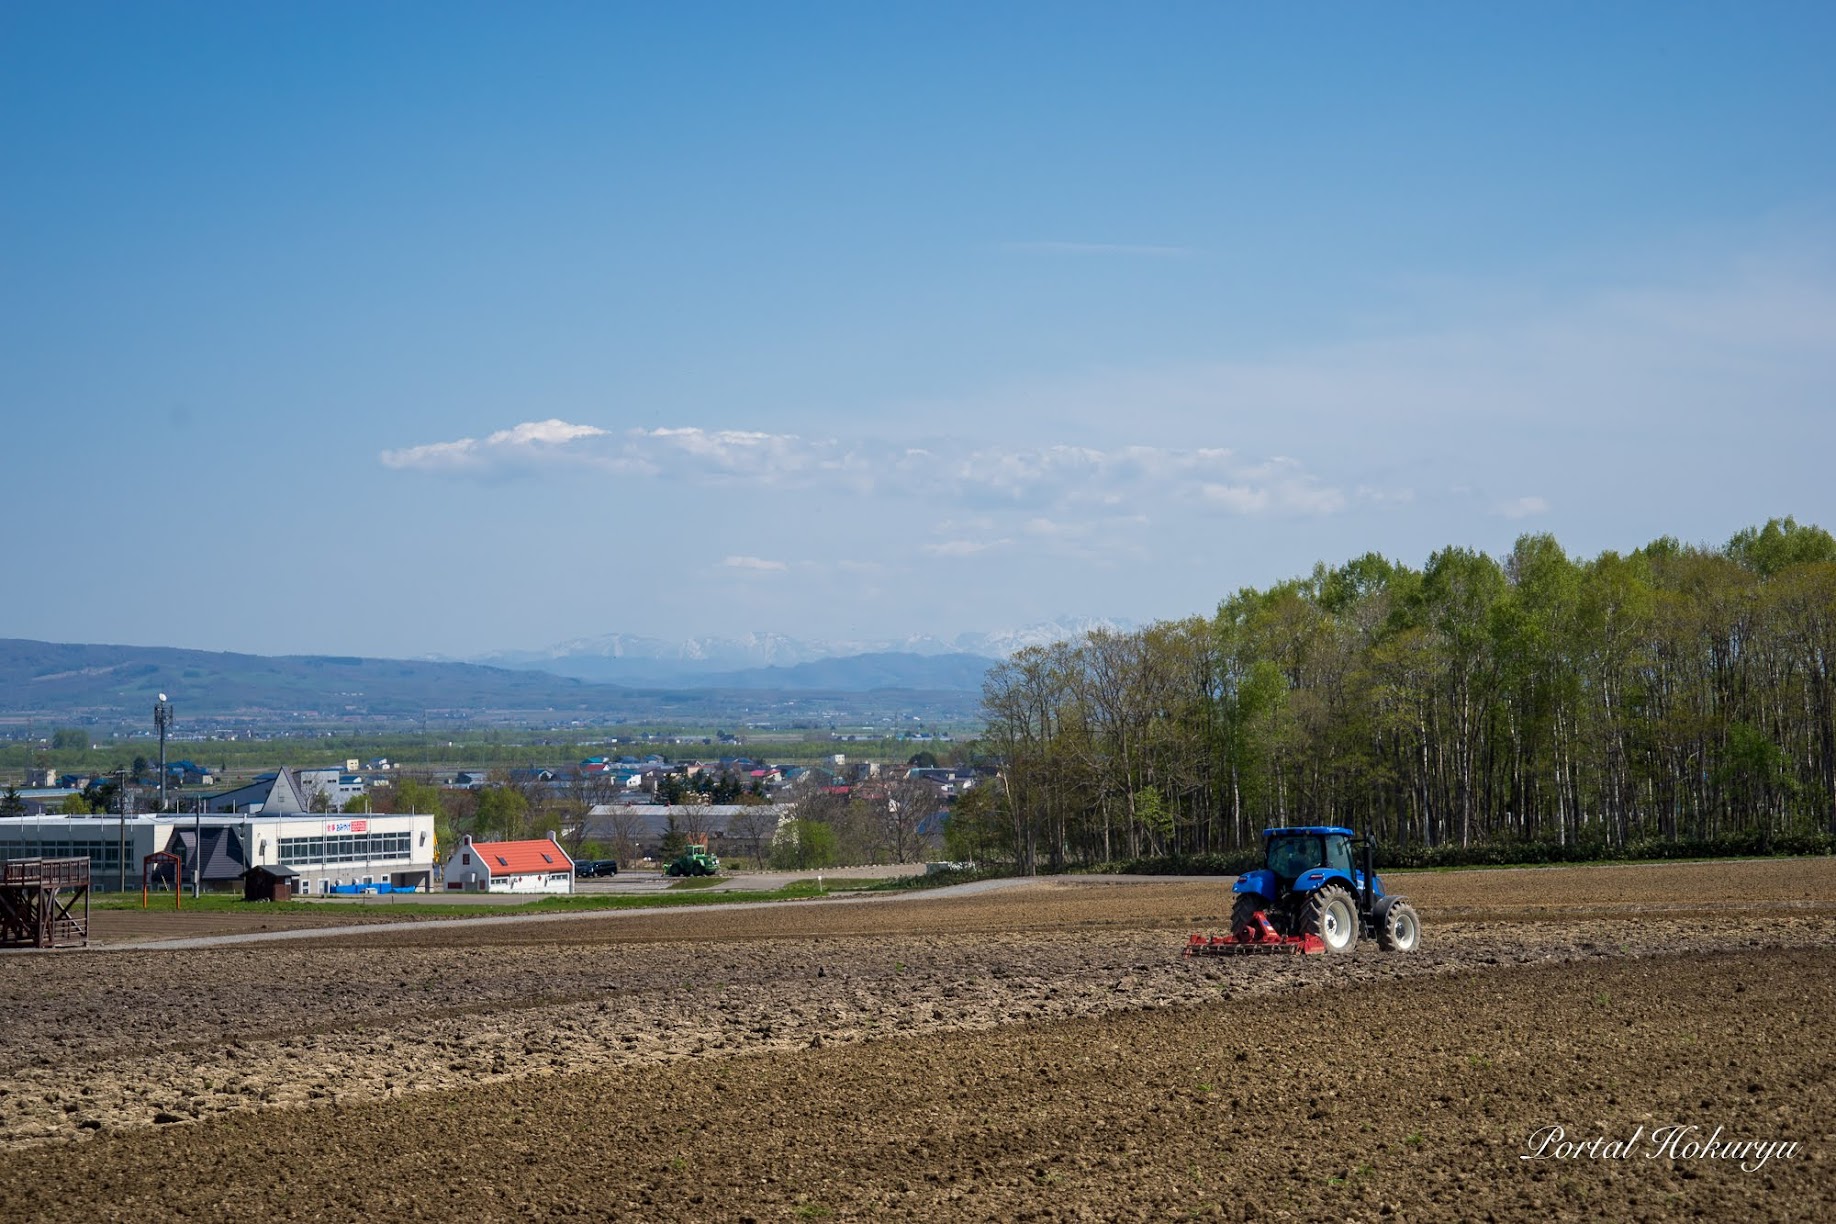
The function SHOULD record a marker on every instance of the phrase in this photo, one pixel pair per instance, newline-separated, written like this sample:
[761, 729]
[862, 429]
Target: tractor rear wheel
[1243, 913]
[1331, 914]
[1400, 929]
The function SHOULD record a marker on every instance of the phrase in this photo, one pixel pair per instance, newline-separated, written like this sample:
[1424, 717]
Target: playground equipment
[38, 902]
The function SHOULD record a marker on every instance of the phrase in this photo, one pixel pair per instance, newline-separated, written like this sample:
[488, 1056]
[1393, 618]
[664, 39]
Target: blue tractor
[1316, 891]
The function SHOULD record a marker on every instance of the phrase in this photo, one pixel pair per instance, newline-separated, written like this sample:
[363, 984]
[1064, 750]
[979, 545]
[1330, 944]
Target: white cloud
[756, 564]
[1238, 499]
[1385, 497]
[744, 456]
[435, 456]
[1279, 485]
[962, 548]
[1522, 507]
[1054, 490]
[1076, 478]
[532, 441]
[551, 432]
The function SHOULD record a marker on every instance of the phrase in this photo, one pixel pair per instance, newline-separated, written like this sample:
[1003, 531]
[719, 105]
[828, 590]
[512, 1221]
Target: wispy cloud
[1085, 478]
[1139, 249]
[755, 564]
[1033, 481]
[962, 548]
[530, 442]
[1521, 507]
[750, 456]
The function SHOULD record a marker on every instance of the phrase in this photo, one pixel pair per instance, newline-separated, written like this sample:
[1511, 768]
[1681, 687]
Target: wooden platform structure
[38, 903]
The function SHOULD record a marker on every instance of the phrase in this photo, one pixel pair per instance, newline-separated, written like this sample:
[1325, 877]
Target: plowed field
[1037, 1051]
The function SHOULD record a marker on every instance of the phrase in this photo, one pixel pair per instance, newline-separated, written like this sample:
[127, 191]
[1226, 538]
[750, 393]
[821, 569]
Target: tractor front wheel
[1331, 914]
[1400, 930]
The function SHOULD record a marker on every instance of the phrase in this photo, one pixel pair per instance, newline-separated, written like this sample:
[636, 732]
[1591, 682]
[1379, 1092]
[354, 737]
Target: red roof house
[540, 866]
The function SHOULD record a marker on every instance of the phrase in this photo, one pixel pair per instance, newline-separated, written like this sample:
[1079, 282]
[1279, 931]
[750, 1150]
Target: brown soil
[1043, 1050]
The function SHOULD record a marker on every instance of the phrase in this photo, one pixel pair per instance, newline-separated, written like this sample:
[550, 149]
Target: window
[1288, 857]
[1338, 853]
[547, 859]
[501, 860]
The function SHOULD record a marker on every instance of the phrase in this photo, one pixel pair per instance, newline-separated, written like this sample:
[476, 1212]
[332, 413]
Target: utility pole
[121, 807]
[197, 851]
[162, 718]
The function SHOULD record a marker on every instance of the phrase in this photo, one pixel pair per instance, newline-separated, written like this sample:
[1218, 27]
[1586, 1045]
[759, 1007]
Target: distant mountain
[612, 675]
[1003, 644]
[119, 684]
[61, 678]
[864, 673]
[621, 658]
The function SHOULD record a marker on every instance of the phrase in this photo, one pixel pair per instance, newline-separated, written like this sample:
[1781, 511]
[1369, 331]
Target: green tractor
[695, 860]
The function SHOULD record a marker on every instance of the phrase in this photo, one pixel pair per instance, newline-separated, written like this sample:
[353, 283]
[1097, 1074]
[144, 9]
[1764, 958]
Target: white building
[326, 850]
[510, 867]
[339, 786]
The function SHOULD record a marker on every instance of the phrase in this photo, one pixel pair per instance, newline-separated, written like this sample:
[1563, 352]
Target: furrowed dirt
[1041, 1050]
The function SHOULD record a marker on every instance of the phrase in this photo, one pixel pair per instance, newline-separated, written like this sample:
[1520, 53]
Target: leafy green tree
[1155, 815]
[502, 812]
[803, 845]
[1756, 772]
[1781, 544]
[74, 805]
[101, 794]
[70, 739]
[409, 795]
[10, 802]
[974, 831]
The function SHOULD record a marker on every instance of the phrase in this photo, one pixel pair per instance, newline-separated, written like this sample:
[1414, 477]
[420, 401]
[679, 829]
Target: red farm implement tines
[1257, 937]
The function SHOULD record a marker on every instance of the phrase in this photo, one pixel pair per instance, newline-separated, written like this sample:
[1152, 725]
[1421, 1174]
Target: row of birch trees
[1679, 692]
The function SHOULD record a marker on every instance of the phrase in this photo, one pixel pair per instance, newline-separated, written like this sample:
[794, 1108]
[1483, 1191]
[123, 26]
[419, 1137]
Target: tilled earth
[1039, 1050]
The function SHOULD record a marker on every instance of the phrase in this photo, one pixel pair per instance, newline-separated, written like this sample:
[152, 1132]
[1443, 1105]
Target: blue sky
[445, 328]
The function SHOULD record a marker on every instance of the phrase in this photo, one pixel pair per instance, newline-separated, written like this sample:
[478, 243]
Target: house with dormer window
[540, 866]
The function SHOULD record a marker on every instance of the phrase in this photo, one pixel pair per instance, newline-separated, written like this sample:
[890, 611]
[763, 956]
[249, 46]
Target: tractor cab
[1291, 853]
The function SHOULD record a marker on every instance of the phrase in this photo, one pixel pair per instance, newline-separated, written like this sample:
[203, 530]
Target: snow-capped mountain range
[624, 658]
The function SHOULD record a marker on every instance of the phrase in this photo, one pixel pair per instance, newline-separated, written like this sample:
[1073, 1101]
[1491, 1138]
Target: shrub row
[941, 879]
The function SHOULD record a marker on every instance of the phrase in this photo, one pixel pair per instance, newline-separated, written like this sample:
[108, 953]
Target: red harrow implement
[1257, 937]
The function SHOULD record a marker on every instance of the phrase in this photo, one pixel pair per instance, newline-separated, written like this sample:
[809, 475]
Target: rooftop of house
[521, 857]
